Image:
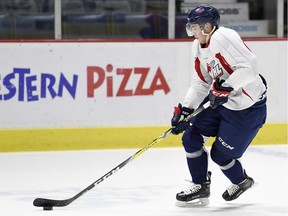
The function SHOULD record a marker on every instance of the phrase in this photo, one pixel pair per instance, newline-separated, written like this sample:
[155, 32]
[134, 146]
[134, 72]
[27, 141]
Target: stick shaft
[43, 202]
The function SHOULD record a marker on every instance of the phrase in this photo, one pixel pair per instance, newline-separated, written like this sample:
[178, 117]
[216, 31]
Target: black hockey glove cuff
[179, 114]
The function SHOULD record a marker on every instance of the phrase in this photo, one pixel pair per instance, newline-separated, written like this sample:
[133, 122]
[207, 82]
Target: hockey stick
[48, 204]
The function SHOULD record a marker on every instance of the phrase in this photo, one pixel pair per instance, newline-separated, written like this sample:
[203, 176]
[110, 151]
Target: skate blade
[194, 203]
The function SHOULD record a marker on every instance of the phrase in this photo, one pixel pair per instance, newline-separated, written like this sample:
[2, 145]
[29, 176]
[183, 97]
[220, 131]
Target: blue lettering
[45, 78]
[70, 89]
[30, 88]
[9, 86]
[21, 72]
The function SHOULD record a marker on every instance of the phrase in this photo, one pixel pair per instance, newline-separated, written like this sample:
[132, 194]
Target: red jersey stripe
[243, 90]
[198, 69]
[224, 63]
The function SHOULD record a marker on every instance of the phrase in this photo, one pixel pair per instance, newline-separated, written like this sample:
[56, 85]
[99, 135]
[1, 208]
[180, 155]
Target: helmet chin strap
[208, 34]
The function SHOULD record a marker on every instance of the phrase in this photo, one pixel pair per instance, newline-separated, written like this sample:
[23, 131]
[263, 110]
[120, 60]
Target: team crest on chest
[214, 69]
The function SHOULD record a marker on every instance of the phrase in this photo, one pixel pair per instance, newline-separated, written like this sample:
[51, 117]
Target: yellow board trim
[18, 140]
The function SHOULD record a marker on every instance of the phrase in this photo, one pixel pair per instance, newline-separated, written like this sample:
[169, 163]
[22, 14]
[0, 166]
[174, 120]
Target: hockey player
[226, 74]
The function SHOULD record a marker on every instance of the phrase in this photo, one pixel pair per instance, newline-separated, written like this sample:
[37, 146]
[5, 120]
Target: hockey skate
[235, 190]
[196, 195]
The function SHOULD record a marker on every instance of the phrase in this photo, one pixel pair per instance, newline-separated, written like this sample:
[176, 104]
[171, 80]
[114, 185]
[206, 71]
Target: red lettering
[162, 85]
[139, 89]
[91, 85]
[97, 75]
[127, 73]
[109, 87]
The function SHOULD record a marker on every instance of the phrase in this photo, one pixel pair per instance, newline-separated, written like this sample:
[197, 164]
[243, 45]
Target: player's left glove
[218, 95]
[179, 114]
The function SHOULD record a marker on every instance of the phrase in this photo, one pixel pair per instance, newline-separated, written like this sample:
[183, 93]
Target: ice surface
[145, 187]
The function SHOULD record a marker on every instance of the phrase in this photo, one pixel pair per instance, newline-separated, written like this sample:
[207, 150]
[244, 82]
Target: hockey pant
[233, 132]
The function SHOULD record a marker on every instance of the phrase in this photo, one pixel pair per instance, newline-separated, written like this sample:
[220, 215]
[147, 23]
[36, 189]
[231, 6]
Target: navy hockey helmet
[202, 14]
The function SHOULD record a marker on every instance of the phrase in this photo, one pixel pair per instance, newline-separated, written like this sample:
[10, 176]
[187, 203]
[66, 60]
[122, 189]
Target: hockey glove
[218, 95]
[180, 113]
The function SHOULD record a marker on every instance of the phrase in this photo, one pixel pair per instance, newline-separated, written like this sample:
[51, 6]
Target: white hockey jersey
[228, 58]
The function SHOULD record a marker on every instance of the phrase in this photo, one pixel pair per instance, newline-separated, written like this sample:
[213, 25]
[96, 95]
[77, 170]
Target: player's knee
[192, 140]
[219, 158]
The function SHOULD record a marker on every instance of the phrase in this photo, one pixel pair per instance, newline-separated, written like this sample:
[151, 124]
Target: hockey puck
[47, 208]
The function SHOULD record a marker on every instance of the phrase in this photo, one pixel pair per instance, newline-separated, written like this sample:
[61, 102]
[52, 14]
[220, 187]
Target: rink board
[103, 95]
[109, 138]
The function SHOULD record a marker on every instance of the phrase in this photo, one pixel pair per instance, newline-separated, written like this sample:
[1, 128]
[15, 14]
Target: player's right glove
[218, 95]
[180, 113]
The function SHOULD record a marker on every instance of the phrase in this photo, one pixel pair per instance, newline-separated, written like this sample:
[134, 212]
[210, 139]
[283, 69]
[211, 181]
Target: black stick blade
[41, 202]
